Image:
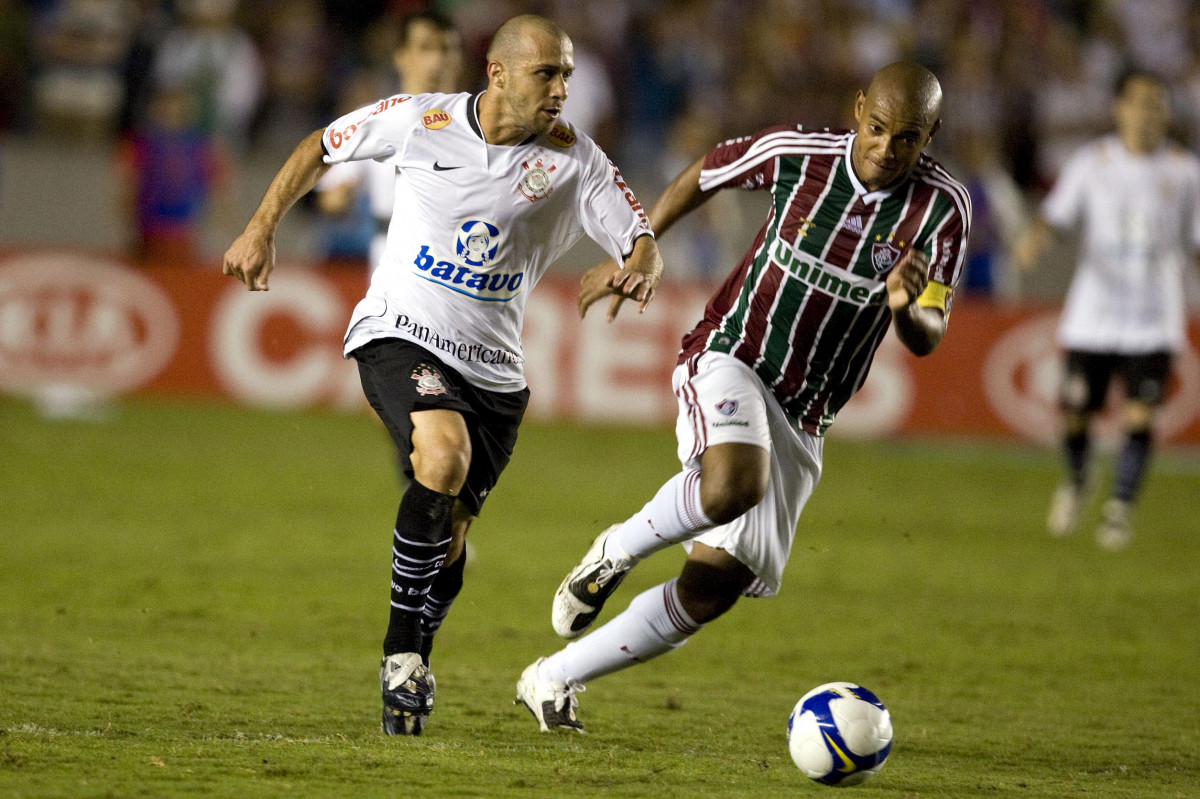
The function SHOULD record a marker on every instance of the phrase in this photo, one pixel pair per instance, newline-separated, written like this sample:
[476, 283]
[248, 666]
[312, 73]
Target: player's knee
[1138, 417]
[443, 468]
[711, 582]
[441, 455]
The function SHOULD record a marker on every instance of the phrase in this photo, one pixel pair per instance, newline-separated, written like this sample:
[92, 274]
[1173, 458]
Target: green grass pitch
[192, 599]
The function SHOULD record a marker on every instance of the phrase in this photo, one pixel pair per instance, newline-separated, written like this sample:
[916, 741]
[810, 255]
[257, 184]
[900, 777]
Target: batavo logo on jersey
[838, 282]
[435, 119]
[561, 136]
[486, 286]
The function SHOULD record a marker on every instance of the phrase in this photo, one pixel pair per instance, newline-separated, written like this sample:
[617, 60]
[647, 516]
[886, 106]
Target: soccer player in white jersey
[428, 58]
[1137, 197]
[864, 232]
[491, 189]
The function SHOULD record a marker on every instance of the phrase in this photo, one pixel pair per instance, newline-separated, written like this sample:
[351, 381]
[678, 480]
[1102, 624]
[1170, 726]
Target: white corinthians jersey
[475, 226]
[1141, 228]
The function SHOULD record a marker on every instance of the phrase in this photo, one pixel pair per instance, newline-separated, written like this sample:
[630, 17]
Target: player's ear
[859, 100]
[495, 73]
[937, 124]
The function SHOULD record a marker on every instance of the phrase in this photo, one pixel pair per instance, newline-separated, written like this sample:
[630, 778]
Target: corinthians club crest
[429, 382]
[535, 183]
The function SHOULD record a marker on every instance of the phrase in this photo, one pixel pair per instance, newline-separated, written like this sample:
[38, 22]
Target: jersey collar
[867, 197]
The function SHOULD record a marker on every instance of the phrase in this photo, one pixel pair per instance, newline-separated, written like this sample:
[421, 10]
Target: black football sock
[1131, 465]
[445, 588]
[421, 538]
[1076, 447]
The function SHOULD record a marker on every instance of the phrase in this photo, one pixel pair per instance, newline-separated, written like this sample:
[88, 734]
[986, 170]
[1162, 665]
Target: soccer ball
[839, 734]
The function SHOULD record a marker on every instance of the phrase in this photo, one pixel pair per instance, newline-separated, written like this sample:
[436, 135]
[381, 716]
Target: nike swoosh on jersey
[439, 168]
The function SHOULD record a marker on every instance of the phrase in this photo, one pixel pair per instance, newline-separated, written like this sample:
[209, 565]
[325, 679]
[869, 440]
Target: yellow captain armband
[936, 295]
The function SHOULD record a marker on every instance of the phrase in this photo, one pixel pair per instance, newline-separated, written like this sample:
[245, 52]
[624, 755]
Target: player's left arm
[920, 325]
[920, 286]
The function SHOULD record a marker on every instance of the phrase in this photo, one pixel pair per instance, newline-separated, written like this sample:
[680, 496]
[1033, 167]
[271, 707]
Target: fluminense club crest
[883, 256]
[429, 382]
[727, 407]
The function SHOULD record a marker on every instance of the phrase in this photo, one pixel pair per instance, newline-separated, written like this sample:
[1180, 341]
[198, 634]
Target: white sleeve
[1064, 204]
[608, 210]
[376, 131]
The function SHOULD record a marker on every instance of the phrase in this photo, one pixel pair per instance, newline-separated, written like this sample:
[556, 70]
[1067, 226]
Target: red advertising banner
[77, 320]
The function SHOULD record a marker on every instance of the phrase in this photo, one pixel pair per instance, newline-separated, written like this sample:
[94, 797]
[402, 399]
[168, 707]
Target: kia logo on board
[73, 319]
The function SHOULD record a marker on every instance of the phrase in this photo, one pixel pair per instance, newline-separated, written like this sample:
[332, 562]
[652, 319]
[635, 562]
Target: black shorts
[400, 377]
[1088, 374]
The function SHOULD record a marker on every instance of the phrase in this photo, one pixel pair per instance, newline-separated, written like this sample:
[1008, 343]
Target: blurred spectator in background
[80, 50]
[218, 62]
[14, 62]
[428, 58]
[172, 170]
[1137, 198]
[297, 53]
[998, 218]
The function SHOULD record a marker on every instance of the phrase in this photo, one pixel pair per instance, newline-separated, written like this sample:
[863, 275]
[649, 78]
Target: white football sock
[673, 516]
[653, 624]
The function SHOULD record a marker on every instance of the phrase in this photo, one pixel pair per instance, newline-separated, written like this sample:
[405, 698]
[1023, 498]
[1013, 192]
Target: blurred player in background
[491, 189]
[428, 58]
[864, 232]
[1137, 197]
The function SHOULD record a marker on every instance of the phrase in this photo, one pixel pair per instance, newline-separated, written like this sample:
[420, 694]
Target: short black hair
[1137, 73]
[439, 21]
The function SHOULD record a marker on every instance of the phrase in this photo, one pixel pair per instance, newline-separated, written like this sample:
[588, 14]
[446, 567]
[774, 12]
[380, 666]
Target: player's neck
[1139, 147]
[496, 128]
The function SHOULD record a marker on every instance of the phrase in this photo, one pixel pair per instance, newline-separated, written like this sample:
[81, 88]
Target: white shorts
[722, 401]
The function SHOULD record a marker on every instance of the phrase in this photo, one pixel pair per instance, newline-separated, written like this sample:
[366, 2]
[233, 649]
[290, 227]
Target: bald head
[520, 36]
[896, 118]
[909, 86]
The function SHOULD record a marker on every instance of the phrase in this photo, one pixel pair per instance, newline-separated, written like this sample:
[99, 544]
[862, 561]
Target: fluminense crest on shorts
[727, 407]
[429, 382]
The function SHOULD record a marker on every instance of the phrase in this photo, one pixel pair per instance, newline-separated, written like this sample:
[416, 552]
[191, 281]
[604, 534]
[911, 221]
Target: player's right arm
[251, 257]
[1059, 211]
[376, 131]
[676, 201]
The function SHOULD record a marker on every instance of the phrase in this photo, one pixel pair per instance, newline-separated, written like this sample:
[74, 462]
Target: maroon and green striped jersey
[807, 306]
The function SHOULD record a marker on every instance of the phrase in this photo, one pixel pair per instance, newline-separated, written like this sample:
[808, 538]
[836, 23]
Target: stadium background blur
[657, 83]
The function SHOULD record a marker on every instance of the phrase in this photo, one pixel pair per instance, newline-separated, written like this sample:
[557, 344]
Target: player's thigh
[1145, 378]
[400, 378]
[721, 401]
[1086, 376]
[761, 538]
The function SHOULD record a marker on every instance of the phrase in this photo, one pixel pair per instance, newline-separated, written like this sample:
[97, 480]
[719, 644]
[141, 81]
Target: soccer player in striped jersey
[1137, 196]
[864, 232]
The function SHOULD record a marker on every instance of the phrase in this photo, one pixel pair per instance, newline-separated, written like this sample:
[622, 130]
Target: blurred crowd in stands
[185, 88]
